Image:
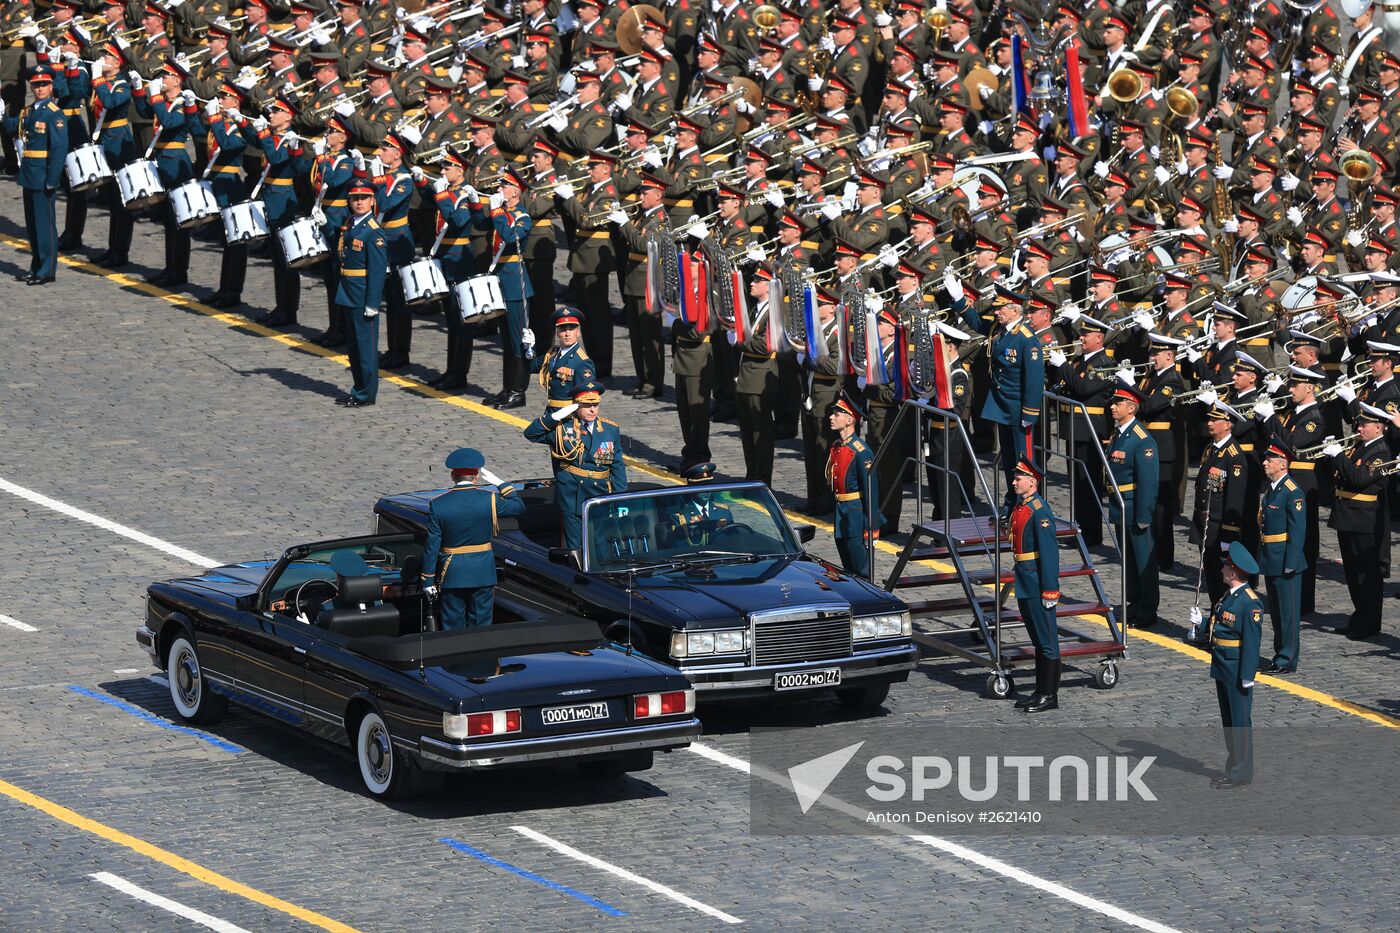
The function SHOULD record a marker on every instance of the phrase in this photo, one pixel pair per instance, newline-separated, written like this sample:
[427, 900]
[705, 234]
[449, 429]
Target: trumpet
[556, 109]
[1310, 453]
[727, 176]
[10, 34]
[738, 254]
[596, 217]
[1195, 393]
[566, 180]
[1354, 381]
[1050, 227]
[719, 101]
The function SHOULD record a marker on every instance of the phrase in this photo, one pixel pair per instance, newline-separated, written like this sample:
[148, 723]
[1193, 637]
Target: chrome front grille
[794, 637]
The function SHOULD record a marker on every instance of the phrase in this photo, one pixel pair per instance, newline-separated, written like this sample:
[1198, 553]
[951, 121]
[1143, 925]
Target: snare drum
[479, 299]
[139, 184]
[87, 168]
[194, 204]
[302, 243]
[423, 281]
[245, 222]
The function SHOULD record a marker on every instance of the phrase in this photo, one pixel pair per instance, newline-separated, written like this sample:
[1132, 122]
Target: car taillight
[499, 722]
[647, 705]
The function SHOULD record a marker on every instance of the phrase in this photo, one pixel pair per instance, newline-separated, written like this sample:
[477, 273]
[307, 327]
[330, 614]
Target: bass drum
[302, 243]
[245, 222]
[423, 281]
[970, 178]
[194, 204]
[87, 168]
[1300, 293]
[139, 185]
[479, 299]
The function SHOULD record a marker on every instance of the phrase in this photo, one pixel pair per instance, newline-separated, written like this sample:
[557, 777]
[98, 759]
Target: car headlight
[886, 625]
[690, 644]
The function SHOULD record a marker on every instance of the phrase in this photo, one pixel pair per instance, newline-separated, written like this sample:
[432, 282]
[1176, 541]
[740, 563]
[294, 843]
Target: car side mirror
[563, 556]
[247, 603]
[805, 532]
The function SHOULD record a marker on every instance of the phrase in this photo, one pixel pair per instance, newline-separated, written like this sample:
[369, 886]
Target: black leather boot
[1047, 691]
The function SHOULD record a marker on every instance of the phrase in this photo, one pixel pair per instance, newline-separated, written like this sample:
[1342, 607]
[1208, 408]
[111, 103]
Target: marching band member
[1282, 522]
[510, 227]
[457, 219]
[286, 159]
[1221, 494]
[643, 321]
[1361, 518]
[112, 93]
[224, 121]
[591, 261]
[173, 113]
[332, 173]
[394, 193]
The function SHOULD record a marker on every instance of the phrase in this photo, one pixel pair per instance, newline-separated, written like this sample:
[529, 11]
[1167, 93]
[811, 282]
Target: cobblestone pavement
[221, 438]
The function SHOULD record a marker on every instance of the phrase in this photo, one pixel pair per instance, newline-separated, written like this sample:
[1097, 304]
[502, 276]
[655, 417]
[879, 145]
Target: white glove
[1273, 383]
[1264, 409]
[827, 43]
[135, 78]
[1049, 603]
[1126, 375]
[1344, 90]
[1143, 320]
[952, 285]
[358, 158]
[1101, 169]
[623, 102]
[1295, 216]
[1247, 685]
[743, 106]
[831, 210]
[1208, 397]
[491, 478]
[699, 231]
[495, 201]
[564, 192]
[187, 98]
[1180, 166]
[1192, 355]
[1354, 238]
[987, 127]
[1346, 393]
[814, 84]
[617, 218]
[1196, 617]
[211, 109]
[41, 42]
[527, 338]
[883, 19]
[290, 138]
[439, 185]
[1288, 181]
[31, 31]
[652, 158]
[561, 413]
[559, 122]
[1332, 450]
[755, 253]
[54, 55]
[318, 217]
[418, 174]
[70, 60]
[1223, 172]
[716, 5]
[344, 106]
[848, 191]
[888, 257]
[231, 114]
[1231, 226]
[98, 69]
[400, 14]
[774, 196]
[1071, 313]
[1161, 174]
[318, 146]
[1056, 358]
[321, 36]
[153, 88]
[371, 313]
[518, 62]
[430, 591]
[984, 91]
[259, 124]
[2, 109]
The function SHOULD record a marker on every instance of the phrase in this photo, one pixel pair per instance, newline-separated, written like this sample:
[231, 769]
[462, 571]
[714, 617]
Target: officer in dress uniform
[42, 134]
[1361, 519]
[458, 566]
[1160, 387]
[1235, 623]
[850, 471]
[1220, 496]
[1037, 573]
[1091, 381]
[566, 365]
[1135, 467]
[1282, 531]
[586, 452]
[823, 388]
[362, 252]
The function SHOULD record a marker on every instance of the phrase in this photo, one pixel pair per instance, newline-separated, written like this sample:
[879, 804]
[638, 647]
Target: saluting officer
[1282, 531]
[42, 133]
[1134, 465]
[457, 559]
[587, 455]
[1361, 519]
[850, 471]
[1037, 573]
[363, 257]
[1235, 623]
[566, 365]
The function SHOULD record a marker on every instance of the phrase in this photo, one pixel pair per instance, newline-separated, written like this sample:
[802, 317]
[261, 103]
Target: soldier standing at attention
[1133, 463]
[850, 471]
[1220, 495]
[363, 256]
[1037, 574]
[461, 523]
[566, 365]
[43, 135]
[1283, 519]
[587, 456]
[1235, 622]
[1361, 519]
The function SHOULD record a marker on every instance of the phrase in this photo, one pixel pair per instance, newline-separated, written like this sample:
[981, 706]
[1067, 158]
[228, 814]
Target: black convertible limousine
[710, 579]
[345, 656]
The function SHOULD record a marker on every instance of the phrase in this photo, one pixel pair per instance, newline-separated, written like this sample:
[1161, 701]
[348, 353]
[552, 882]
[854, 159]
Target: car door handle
[299, 649]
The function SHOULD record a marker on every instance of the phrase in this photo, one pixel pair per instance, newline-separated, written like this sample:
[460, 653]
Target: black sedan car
[355, 660]
[711, 579]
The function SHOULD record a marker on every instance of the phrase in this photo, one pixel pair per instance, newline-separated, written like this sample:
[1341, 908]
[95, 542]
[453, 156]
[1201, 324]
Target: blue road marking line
[154, 720]
[526, 873]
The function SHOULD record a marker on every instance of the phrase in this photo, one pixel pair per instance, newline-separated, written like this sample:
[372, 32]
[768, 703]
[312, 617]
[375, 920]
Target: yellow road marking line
[412, 385]
[170, 859]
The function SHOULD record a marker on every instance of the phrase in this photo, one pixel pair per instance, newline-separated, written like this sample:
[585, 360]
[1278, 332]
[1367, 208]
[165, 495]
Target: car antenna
[631, 585]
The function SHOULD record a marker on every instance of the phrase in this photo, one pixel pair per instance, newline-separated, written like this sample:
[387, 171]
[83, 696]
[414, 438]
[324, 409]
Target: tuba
[721, 278]
[794, 319]
[852, 298]
[916, 320]
[664, 267]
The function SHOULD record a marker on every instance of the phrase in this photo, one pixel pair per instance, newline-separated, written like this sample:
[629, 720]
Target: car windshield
[686, 524]
[382, 558]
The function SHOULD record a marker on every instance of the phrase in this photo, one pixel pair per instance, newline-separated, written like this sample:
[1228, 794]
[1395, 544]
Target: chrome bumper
[147, 640]
[520, 751]
[884, 663]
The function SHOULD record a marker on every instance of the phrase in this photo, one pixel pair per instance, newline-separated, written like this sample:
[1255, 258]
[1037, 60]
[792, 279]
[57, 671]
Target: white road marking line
[165, 903]
[626, 875]
[126, 670]
[16, 623]
[954, 849]
[140, 537]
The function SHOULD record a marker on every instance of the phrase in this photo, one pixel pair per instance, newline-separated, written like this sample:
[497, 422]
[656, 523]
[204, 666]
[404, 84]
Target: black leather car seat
[357, 611]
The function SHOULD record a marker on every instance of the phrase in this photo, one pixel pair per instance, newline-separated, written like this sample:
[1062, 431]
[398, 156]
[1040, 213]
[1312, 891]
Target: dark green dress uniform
[363, 255]
[1037, 581]
[587, 462]
[1362, 523]
[591, 261]
[691, 355]
[1282, 531]
[755, 389]
[457, 556]
[823, 386]
[1220, 502]
[1090, 380]
[850, 471]
[42, 132]
[1235, 624]
[1135, 468]
[1157, 413]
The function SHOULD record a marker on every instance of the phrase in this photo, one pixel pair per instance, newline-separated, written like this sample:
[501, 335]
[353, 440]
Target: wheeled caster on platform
[1000, 686]
[1106, 677]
